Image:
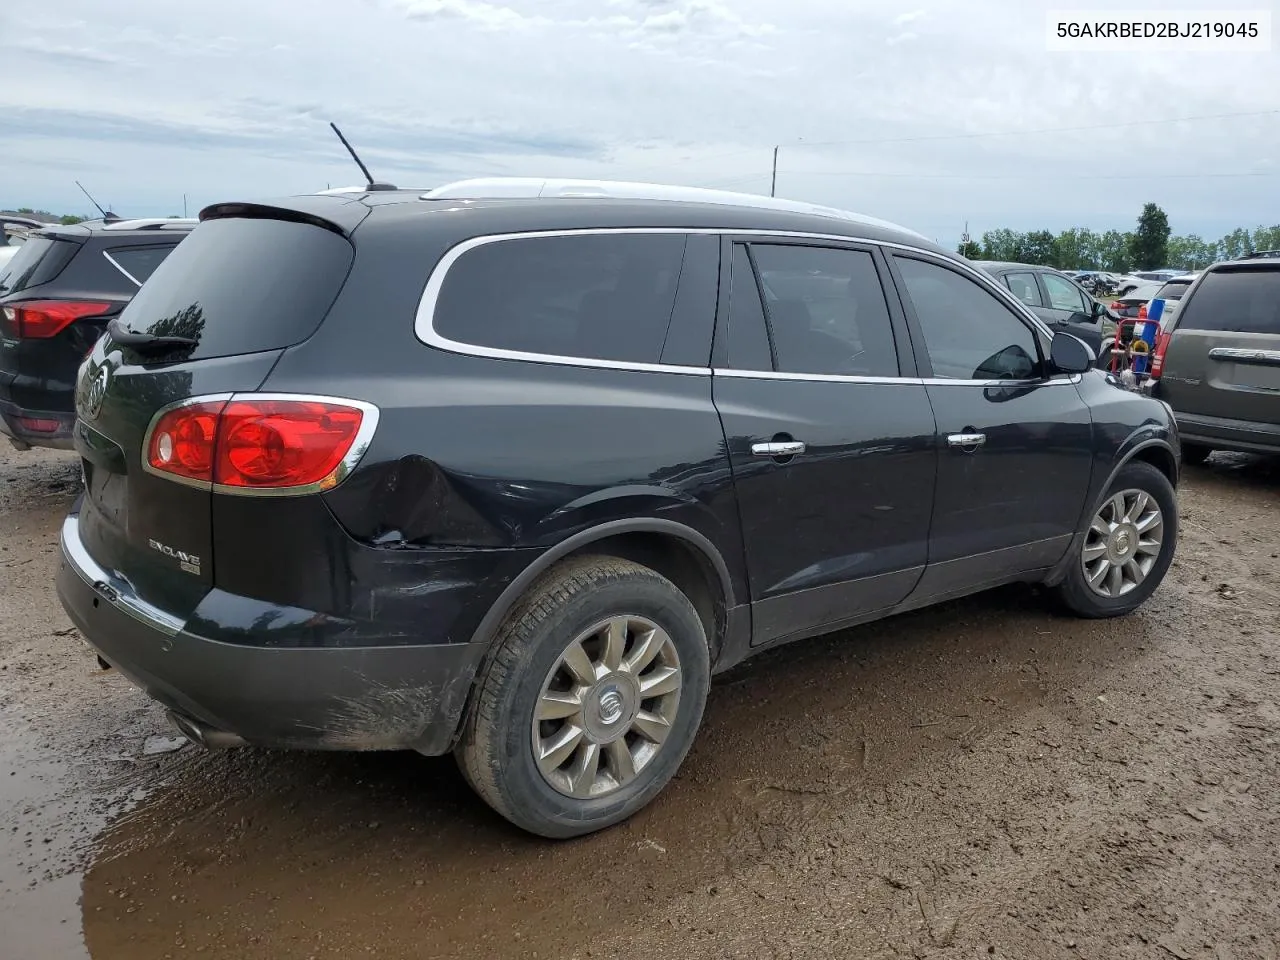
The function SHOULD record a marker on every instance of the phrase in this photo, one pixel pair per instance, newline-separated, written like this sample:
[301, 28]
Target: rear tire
[1126, 547]
[598, 644]
[1195, 453]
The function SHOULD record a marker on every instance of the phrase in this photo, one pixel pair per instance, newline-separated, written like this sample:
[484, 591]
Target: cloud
[42, 48]
[233, 101]
[487, 15]
[673, 21]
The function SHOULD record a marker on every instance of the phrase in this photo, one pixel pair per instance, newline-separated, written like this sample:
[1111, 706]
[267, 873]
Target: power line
[897, 174]
[930, 138]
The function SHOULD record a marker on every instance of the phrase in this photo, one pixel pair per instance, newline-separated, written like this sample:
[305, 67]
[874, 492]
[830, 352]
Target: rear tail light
[260, 442]
[1157, 357]
[38, 424]
[42, 319]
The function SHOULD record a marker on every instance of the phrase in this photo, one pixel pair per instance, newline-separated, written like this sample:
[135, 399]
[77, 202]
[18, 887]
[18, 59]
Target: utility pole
[184, 206]
[773, 185]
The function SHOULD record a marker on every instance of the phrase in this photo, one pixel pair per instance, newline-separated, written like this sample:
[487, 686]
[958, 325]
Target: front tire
[590, 701]
[1126, 547]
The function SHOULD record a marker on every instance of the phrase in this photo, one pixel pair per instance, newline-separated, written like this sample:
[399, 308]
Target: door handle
[966, 441]
[778, 448]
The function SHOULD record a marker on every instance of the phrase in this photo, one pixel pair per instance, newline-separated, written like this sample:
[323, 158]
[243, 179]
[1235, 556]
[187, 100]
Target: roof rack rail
[531, 188]
[1262, 255]
[150, 223]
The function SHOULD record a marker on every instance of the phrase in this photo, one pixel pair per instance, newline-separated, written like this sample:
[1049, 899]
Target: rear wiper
[146, 342]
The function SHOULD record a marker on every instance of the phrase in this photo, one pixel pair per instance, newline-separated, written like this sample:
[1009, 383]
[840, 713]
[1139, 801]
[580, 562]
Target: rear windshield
[38, 260]
[1235, 301]
[1172, 291]
[243, 286]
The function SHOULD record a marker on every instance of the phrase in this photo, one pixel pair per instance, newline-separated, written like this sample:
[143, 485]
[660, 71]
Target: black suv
[57, 295]
[509, 473]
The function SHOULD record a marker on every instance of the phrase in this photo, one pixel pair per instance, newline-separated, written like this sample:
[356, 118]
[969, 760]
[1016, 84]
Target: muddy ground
[982, 779]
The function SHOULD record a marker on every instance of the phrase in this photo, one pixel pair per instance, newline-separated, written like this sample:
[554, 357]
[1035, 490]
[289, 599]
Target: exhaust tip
[203, 735]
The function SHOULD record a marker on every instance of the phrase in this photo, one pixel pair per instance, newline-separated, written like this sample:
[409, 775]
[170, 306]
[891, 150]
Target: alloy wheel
[606, 707]
[1123, 543]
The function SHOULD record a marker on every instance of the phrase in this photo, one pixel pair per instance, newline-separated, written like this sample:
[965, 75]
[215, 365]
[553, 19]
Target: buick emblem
[96, 393]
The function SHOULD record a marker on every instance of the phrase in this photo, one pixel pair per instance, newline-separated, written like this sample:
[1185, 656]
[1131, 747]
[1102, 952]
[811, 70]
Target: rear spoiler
[340, 214]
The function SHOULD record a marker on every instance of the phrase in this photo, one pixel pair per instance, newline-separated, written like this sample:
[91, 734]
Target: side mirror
[1099, 309]
[1068, 354]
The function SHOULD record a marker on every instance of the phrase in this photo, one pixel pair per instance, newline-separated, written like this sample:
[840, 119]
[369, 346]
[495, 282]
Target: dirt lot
[982, 779]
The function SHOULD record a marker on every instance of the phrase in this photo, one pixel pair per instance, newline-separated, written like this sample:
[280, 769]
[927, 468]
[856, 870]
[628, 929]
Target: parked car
[1170, 294]
[57, 294]
[1218, 360]
[1128, 305]
[512, 467]
[1127, 283]
[1060, 302]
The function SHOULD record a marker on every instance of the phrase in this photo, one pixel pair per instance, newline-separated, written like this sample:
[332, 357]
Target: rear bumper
[365, 698]
[36, 428]
[1226, 434]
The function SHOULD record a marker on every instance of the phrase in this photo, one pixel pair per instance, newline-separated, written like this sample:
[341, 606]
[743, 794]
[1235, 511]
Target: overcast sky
[880, 106]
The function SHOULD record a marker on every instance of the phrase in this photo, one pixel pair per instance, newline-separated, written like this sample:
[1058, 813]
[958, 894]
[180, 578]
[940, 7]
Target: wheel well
[681, 563]
[1162, 459]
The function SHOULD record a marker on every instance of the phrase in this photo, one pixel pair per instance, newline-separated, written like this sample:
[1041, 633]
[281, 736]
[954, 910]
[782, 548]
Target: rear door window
[138, 263]
[1235, 301]
[599, 297]
[240, 286]
[748, 339]
[827, 312]
[38, 260]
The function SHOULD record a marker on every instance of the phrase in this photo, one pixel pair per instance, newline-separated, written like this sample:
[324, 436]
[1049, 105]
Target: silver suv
[1218, 360]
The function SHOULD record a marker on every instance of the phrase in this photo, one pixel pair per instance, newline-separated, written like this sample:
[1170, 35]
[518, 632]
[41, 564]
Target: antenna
[369, 181]
[106, 214]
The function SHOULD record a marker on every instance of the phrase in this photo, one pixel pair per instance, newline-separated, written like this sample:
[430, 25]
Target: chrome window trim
[368, 426]
[424, 317]
[116, 263]
[424, 321]
[916, 381]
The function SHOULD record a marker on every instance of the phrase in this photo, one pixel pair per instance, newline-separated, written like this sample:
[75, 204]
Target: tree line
[65, 219]
[1149, 246]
